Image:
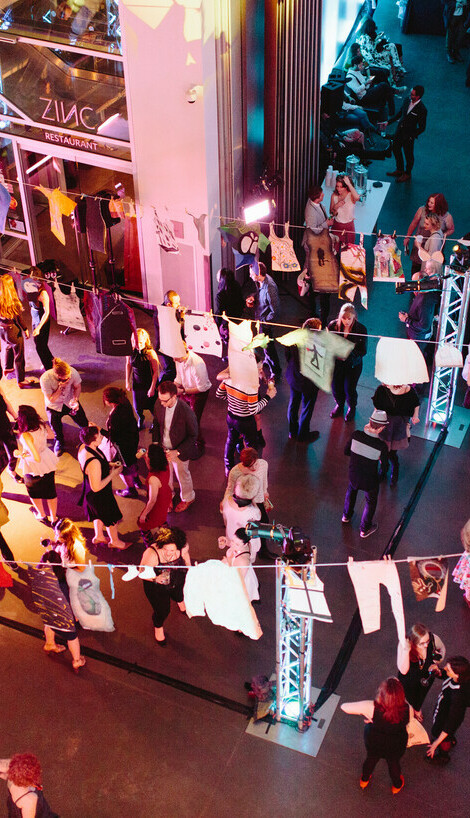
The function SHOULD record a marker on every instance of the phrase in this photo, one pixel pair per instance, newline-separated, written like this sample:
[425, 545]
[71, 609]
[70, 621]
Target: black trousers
[239, 428]
[12, 337]
[41, 342]
[394, 768]
[8, 444]
[160, 597]
[403, 150]
[344, 386]
[369, 507]
[55, 419]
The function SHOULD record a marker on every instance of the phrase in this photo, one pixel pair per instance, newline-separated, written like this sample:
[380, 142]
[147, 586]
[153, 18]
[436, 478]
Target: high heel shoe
[78, 663]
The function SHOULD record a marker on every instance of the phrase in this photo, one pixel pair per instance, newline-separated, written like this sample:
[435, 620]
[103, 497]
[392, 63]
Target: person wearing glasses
[418, 664]
[61, 387]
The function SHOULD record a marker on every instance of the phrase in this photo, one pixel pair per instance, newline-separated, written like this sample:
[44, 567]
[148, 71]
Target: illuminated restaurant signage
[54, 111]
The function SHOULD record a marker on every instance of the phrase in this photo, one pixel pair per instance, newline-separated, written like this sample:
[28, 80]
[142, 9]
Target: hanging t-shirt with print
[59, 205]
[317, 357]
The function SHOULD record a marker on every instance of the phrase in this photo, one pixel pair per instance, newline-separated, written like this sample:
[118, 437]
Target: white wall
[171, 138]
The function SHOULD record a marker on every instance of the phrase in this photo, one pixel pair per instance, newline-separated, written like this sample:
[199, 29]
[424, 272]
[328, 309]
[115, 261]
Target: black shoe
[350, 414]
[452, 62]
[141, 424]
[131, 492]
[337, 412]
[394, 172]
[58, 448]
[310, 437]
[292, 436]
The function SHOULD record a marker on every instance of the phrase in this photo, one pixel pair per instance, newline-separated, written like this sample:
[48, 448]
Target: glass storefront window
[14, 251]
[60, 89]
[92, 24]
[9, 179]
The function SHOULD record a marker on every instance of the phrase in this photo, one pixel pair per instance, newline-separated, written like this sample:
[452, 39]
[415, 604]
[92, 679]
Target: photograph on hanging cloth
[429, 578]
[387, 260]
[242, 362]
[322, 262]
[202, 334]
[317, 357]
[352, 273]
[68, 309]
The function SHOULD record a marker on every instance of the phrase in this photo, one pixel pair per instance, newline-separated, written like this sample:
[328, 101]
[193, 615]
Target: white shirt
[49, 384]
[345, 210]
[412, 105]
[169, 412]
[192, 373]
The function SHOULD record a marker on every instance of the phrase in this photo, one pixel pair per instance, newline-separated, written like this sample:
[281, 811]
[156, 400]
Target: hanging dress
[283, 257]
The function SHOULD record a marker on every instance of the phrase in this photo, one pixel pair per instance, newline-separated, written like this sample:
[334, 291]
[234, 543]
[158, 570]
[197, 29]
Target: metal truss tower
[451, 328]
[294, 652]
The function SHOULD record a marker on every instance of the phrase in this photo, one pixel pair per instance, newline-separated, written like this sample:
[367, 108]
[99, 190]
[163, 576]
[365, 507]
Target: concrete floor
[114, 743]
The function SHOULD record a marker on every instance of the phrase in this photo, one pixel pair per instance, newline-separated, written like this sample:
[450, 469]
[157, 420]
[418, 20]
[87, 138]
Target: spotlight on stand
[461, 255]
[262, 203]
[296, 546]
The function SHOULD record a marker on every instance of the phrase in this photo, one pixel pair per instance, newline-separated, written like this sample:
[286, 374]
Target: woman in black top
[450, 709]
[8, 444]
[123, 434]
[417, 662]
[101, 504]
[23, 775]
[167, 556]
[347, 373]
[385, 734]
[40, 306]
[143, 373]
[401, 403]
[228, 299]
[12, 326]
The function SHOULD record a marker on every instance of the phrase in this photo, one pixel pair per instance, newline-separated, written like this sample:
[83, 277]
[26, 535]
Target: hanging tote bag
[68, 309]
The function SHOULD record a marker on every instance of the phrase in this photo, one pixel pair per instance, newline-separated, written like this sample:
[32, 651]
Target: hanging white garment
[217, 590]
[88, 603]
[68, 309]
[367, 577]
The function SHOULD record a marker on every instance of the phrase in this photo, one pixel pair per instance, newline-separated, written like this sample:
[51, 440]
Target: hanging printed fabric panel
[387, 260]
[202, 334]
[352, 273]
[68, 309]
[283, 257]
[165, 233]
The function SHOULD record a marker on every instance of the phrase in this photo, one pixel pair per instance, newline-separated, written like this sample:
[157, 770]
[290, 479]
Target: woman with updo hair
[418, 663]
[101, 504]
[23, 775]
[436, 203]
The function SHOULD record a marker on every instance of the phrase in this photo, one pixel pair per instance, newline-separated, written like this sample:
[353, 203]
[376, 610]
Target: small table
[366, 213]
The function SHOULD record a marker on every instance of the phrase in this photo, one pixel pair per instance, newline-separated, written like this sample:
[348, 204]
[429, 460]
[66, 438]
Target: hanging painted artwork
[242, 364]
[352, 273]
[171, 342]
[202, 334]
[283, 257]
[317, 357]
[67, 307]
[387, 260]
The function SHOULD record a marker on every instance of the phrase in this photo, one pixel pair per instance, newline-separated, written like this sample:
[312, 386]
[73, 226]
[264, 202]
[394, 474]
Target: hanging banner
[202, 334]
[171, 342]
[242, 364]
[68, 309]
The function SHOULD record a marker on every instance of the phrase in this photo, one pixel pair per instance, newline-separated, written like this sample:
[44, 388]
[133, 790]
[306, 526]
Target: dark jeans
[344, 386]
[12, 337]
[197, 403]
[41, 342]
[8, 444]
[393, 763]
[239, 428]
[403, 146]
[300, 428]
[380, 96]
[324, 299]
[55, 419]
[369, 506]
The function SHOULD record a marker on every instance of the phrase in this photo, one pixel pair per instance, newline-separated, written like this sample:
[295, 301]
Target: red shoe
[182, 506]
[363, 784]
[395, 790]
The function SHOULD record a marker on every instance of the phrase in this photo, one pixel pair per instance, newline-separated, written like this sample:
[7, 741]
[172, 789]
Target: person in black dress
[23, 775]
[8, 444]
[167, 556]
[401, 403]
[228, 299]
[143, 371]
[417, 662]
[123, 434]
[385, 733]
[40, 306]
[347, 373]
[450, 709]
[101, 504]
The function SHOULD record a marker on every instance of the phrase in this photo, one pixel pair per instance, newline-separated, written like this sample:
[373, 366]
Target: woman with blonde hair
[143, 373]
[347, 373]
[385, 734]
[12, 326]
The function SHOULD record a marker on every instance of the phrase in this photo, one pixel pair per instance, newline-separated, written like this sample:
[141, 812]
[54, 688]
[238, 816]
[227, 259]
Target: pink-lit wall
[170, 138]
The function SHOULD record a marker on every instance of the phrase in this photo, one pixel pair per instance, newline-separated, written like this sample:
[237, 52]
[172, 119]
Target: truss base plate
[458, 427]
[309, 742]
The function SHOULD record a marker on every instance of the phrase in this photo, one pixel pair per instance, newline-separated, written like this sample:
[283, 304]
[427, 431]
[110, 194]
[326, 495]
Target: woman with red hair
[385, 734]
[23, 775]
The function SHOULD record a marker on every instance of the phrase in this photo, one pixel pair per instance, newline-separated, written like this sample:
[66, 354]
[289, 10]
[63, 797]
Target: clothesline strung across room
[139, 209]
[112, 566]
[147, 305]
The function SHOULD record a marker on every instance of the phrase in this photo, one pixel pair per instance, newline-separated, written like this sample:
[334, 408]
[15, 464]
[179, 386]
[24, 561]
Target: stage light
[255, 212]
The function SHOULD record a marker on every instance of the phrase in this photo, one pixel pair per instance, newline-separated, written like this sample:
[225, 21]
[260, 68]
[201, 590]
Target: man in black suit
[175, 427]
[411, 123]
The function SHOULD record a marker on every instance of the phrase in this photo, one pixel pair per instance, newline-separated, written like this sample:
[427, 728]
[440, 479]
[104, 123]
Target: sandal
[54, 648]
[78, 663]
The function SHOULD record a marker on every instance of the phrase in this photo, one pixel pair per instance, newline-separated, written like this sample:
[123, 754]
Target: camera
[427, 681]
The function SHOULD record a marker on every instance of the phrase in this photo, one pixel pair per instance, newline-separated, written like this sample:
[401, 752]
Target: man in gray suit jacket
[175, 427]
